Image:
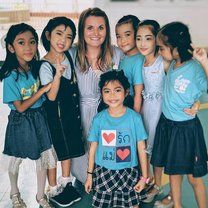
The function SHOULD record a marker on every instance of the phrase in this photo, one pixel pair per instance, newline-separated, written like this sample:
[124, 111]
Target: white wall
[60, 5]
[191, 12]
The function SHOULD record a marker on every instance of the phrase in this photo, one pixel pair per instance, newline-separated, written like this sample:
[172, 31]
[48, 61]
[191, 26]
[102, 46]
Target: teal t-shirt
[117, 139]
[21, 89]
[183, 86]
[132, 67]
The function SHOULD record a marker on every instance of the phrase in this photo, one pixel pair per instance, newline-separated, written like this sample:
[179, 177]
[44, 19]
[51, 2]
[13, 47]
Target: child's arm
[91, 161]
[194, 109]
[23, 105]
[138, 97]
[200, 55]
[60, 68]
[143, 164]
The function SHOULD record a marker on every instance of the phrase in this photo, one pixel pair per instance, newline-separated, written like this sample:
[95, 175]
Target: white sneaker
[17, 201]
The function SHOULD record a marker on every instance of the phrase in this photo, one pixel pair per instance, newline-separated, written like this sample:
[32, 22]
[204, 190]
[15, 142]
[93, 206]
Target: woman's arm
[91, 161]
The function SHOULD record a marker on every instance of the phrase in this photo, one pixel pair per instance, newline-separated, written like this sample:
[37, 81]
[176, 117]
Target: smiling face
[145, 40]
[113, 94]
[94, 31]
[125, 38]
[24, 46]
[61, 39]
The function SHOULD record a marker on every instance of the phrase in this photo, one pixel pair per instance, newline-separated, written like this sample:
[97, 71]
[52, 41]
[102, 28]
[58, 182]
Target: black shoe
[61, 200]
[71, 192]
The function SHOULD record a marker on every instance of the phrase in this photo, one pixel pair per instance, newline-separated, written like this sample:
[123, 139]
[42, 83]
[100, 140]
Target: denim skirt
[27, 134]
[180, 148]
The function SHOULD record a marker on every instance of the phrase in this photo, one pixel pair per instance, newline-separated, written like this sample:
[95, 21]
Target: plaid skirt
[114, 188]
[180, 147]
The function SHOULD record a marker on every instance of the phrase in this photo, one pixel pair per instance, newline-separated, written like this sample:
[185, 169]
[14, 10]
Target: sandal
[17, 201]
[160, 204]
[151, 196]
[44, 202]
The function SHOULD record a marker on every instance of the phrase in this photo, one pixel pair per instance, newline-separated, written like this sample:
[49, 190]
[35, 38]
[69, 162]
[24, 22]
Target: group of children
[165, 81]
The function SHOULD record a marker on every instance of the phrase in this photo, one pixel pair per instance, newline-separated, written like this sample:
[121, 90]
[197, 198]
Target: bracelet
[145, 180]
[89, 172]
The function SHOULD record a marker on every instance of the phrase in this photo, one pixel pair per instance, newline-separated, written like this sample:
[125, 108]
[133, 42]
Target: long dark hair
[11, 61]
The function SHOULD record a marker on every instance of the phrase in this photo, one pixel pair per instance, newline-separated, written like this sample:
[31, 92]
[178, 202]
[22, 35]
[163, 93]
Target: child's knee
[195, 181]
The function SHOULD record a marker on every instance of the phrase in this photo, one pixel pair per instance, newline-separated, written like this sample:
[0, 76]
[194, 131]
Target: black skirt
[180, 148]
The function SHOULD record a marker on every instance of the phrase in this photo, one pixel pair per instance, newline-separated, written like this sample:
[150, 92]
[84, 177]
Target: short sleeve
[139, 128]
[201, 78]
[94, 131]
[137, 72]
[117, 55]
[46, 73]
[11, 91]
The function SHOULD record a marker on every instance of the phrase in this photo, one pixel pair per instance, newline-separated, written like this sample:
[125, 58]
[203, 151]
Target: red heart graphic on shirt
[123, 153]
[109, 137]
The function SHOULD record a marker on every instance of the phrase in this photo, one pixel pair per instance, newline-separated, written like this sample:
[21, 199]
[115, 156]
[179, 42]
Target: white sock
[64, 180]
[54, 190]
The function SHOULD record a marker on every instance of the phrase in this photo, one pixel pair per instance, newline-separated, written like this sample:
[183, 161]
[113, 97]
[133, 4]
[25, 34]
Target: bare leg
[52, 177]
[66, 168]
[175, 183]
[149, 172]
[199, 191]
[65, 178]
[158, 175]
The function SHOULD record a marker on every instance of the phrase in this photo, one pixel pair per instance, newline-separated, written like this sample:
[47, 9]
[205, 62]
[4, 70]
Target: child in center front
[117, 135]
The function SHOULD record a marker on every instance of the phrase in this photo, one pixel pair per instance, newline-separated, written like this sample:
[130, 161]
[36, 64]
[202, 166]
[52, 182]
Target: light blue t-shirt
[117, 139]
[183, 86]
[132, 67]
[21, 89]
